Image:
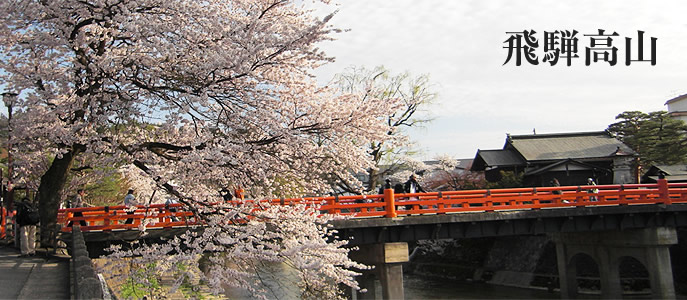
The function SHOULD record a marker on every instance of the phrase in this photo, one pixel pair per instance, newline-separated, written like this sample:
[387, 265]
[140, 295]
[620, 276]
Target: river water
[417, 287]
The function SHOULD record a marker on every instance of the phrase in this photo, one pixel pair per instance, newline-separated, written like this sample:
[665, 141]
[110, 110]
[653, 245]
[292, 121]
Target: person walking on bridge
[129, 201]
[239, 193]
[590, 181]
[412, 186]
[78, 202]
[226, 195]
[386, 185]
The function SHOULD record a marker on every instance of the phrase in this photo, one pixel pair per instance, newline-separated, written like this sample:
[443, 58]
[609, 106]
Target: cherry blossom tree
[206, 94]
[233, 258]
[414, 93]
[448, 177]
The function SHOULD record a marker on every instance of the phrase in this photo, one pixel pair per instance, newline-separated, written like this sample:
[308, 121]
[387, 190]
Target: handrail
[5, 219]
[392, 205]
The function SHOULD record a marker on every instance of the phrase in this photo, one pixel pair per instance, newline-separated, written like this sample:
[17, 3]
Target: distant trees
[447, 177]
[655, 136]
[509, 179]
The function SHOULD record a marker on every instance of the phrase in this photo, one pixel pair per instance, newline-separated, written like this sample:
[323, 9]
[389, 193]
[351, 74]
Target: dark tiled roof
[673, 169]
[677, 178]
[569, 145]
[500, 157]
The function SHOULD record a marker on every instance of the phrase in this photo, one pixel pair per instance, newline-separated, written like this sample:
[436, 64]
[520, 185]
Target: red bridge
[392, 205]
[604, 223]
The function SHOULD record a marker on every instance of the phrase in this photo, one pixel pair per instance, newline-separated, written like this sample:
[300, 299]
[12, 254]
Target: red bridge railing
[394, 205]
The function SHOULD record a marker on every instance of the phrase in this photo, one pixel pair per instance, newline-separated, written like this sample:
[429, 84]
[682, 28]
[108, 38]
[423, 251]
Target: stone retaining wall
[85, 284]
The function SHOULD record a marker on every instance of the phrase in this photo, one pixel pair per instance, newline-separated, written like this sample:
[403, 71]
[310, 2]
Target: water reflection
[416, 287]
[279, 280]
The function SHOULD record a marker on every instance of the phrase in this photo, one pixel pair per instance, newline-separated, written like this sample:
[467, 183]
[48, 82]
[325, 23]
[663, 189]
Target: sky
[459, 44]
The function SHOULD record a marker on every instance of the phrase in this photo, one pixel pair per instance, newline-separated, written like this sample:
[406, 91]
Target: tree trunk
[373, 174]
[372, 179]
[49, 190]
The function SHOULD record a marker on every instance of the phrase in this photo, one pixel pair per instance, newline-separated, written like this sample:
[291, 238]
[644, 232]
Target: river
[417, 287]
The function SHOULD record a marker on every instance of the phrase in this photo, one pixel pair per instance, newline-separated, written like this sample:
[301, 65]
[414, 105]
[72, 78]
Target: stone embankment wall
[85, 284]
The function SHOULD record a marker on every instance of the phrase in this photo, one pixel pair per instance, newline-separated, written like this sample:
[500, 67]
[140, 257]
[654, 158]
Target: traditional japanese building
[569, 157]
[677, 107]
[673, 173]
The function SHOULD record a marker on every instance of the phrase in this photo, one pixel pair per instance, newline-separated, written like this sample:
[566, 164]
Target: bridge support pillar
[388, 259]
[649, 246]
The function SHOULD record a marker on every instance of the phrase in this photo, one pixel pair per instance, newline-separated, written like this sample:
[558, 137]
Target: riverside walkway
[44, 276]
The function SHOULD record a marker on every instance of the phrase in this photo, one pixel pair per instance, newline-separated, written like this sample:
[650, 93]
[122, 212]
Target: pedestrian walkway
[38, 277]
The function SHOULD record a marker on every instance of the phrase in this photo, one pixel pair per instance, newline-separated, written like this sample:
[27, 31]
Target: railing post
[70, 215]
[332, 202]
[488, 203]
[622, 198]
[579, 199]
[163, 211]
[137, 219]
[663, 191]
[390, 205]
[440, 203]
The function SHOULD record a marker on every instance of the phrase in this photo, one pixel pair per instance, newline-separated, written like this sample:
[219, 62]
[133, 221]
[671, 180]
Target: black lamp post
[9, 98]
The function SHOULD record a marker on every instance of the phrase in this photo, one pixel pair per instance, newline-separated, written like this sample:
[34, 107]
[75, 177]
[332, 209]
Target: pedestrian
[555, 183]
[398, 189]
[173, 210]
[386, 185]
[27, 218]
[412, 186]
[591, 182]
[226, 195]
[239, 193]
[78, 202]
[129, 201]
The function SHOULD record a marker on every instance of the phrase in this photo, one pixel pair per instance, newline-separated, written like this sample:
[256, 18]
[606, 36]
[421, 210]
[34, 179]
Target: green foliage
[140, 284]
[107, 191]
[190, 290]
[656, 137]
[509, 179]
[283, 186]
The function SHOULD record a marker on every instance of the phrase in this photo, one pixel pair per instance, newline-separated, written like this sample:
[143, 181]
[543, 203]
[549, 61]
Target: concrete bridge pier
[608, 249]
[387, 259]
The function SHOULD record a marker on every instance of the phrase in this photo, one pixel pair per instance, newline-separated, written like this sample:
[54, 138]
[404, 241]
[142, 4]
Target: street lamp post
[9, 98]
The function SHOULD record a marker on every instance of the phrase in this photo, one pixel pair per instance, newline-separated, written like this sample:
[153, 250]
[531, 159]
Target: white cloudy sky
[459, 44]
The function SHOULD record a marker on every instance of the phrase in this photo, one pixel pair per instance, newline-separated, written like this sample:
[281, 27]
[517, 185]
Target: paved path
[39, 277]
